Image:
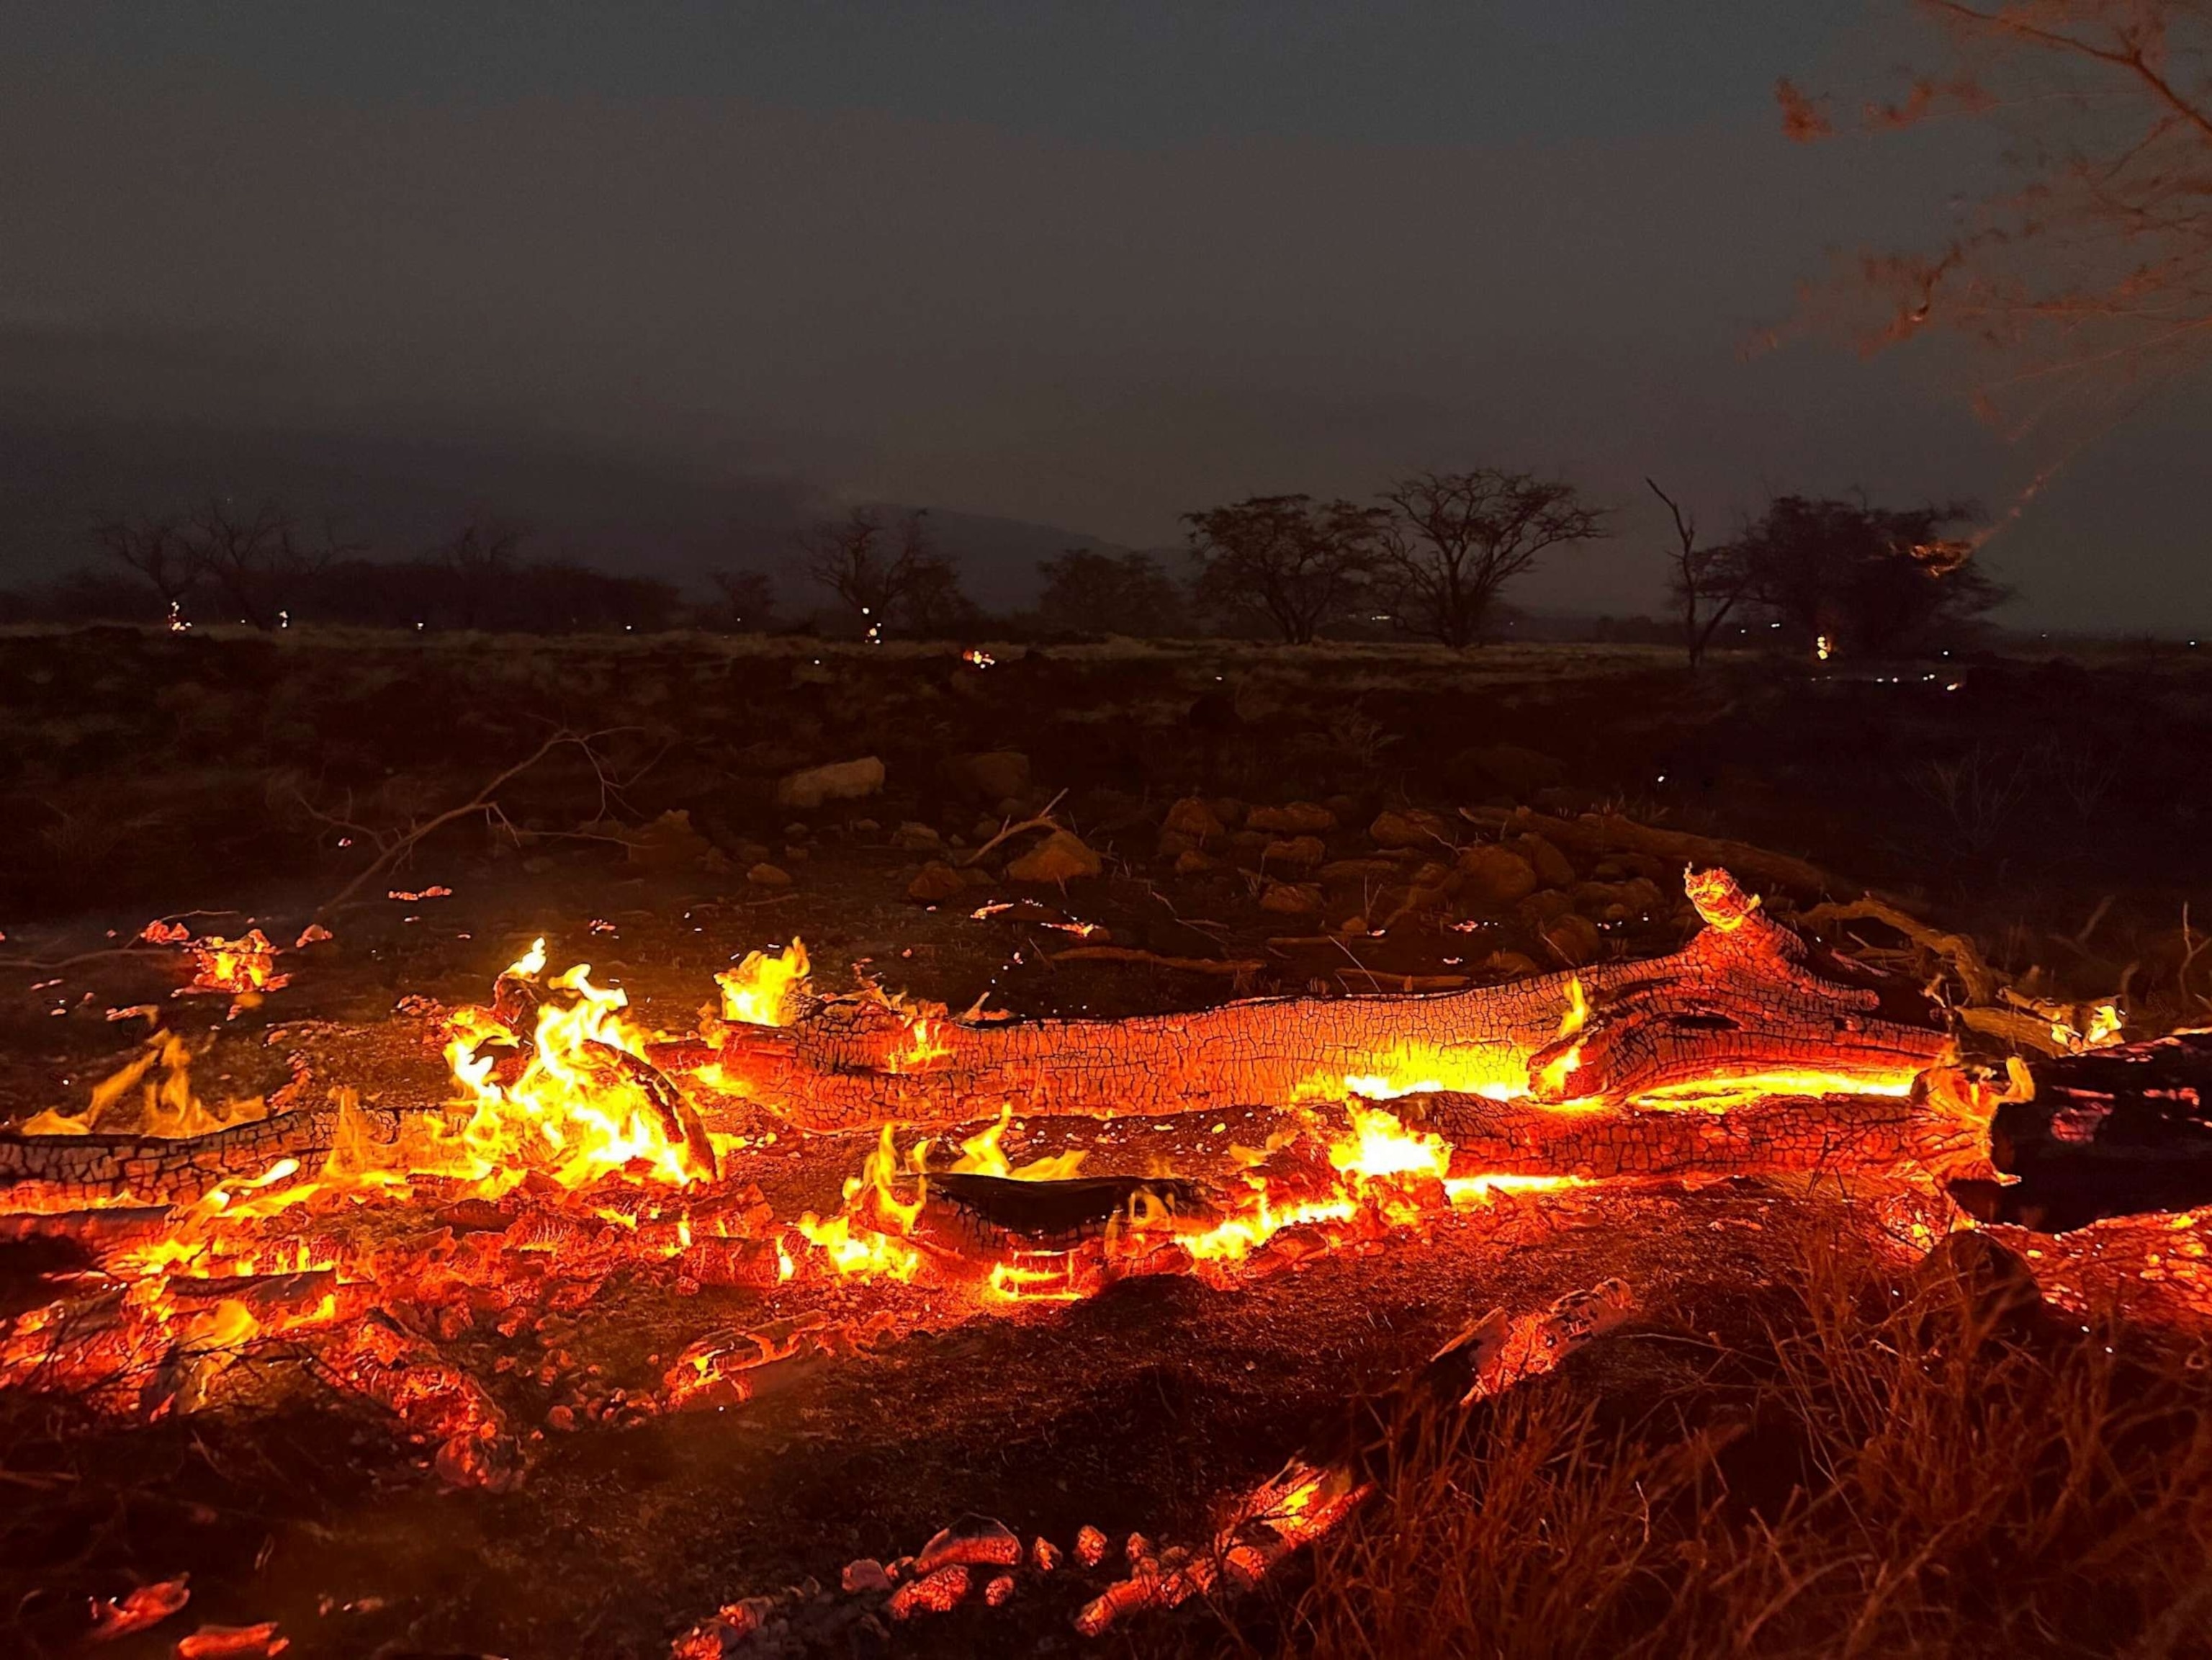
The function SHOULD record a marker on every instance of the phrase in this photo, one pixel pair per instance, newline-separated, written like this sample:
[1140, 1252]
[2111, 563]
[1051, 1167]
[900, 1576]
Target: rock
[863, 1575]
[1195, 817]
[1575, 937]
[1495, 877]
[1346, 872]
[864, 827]
[669, 842]
[1292, 898]
[1994, 1286]
[765, 875]
[1615, 900]
[1229, 810]
[1541, 908]
[1416, 827]
[994, 775]
[1173, 844]
[1511, 963]
[914, 837]
[1296, 853]
[840, 780]
[1520, 771]
[1191, 862]
[1554, 868]
[976, 1542]
[1300, 818]
[1060, 857]
[976, 877]
[936, 883]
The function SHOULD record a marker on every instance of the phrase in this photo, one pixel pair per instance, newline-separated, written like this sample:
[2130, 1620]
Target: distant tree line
[1428, 557]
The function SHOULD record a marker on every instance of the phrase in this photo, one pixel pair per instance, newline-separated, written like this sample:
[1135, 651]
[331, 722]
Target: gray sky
[1086, 265]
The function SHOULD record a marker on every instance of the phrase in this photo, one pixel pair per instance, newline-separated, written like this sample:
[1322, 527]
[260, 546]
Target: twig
[1042, 821]
[483, 802]
[1955, 948]
[1131, 954]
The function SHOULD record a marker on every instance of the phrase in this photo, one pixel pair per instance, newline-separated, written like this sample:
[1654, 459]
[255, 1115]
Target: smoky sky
[1088, 266]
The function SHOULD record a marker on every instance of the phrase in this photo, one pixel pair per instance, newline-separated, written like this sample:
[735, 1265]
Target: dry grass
[1885, 1470]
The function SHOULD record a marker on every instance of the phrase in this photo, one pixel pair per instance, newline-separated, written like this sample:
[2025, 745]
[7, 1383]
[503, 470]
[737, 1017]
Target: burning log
[1747, 999]
[381, 1360]
[56, 1172]
[1913, 1137]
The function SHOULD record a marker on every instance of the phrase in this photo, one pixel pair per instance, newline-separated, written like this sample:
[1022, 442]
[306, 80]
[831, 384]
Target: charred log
[2110, 1131]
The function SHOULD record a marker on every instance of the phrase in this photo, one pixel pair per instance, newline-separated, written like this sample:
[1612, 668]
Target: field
[1833, 1445]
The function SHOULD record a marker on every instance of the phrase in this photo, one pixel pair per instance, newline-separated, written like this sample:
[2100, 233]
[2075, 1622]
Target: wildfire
[761, 990]
[574, 1096]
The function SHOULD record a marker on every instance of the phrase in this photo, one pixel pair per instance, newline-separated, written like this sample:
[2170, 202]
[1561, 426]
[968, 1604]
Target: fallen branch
[1237, 966]
[1955, 950]
[484, 803]
[1603, 833]
[1006, 833]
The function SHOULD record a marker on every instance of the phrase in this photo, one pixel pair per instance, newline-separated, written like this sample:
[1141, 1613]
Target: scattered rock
[1194, 817]
[863, 1575]
[840, 780]
[1554, 868]
[669, 843]
[1994, 1285]
[1512, 964]
[979, 1542]
[1229, 810]
[1060, 857]
[765, 875]
[1541, 908]
[936, 883]
[1495, 877]
[1296, 853]
[1615, 900]
[995, 775]
[1300, 818]
[1292, 898]
[1416, 827]
[1574, 937]
[1191, 862]
[1346, 871]
[914, 837]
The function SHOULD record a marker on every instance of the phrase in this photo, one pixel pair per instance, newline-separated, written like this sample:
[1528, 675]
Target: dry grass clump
[1914, 1471]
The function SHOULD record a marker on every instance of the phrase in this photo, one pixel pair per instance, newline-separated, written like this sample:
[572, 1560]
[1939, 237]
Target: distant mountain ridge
[402, 495]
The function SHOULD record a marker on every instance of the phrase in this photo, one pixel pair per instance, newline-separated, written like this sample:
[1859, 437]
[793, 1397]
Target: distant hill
[401, 496]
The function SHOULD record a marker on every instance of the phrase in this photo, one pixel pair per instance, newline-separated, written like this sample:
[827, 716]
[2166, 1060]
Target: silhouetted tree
[1865, 580]
[479, 563]
[257, 564]
[747, 599]
[1707, 581]
[157, 550]
[1450, 541]
[873, 569]
[1087, 591]
[1295, 563]
[934, 605]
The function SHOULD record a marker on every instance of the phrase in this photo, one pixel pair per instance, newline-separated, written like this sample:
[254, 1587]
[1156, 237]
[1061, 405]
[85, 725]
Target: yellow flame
[759, 991]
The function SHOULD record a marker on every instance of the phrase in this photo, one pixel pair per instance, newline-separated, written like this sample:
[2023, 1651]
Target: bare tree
[479, 564]
[257, 563]
[855, 559]
[1298, 563]
[1452, 540]
[748, 598]
[155, 548]
[1708, 581]
[2099, 259]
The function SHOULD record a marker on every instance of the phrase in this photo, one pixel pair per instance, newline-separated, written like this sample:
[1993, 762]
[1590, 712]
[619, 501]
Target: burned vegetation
[709, 1151]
